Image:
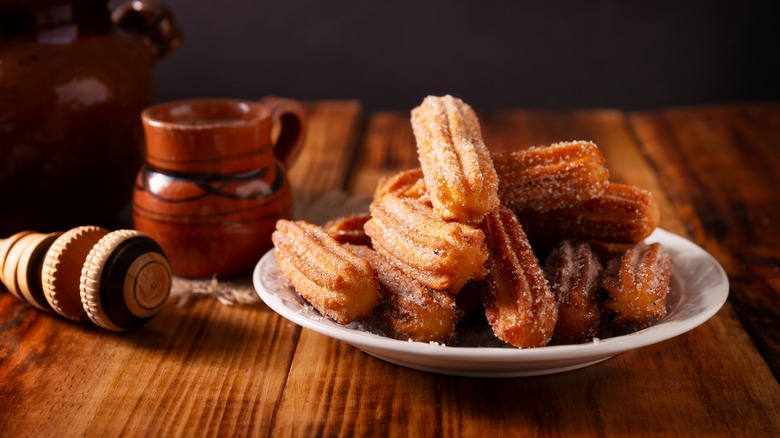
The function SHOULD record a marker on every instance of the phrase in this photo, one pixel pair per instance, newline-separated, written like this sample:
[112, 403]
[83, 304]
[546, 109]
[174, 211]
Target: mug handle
[151, 20]
[291, 118]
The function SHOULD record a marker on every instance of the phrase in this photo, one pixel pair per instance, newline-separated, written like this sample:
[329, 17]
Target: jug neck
[53, 19]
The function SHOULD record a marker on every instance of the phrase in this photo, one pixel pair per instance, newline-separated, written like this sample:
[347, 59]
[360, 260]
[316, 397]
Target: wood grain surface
[720, 167]
[209, 369]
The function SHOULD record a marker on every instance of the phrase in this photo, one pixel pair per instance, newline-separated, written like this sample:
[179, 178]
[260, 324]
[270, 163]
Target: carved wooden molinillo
[118, 280]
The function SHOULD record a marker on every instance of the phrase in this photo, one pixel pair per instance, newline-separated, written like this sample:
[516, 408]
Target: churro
[339, 284]
[440, 255]
[519, 305]
[408, 183]
[637, 283]
[622, 214]
[550, 177]
[349, 229]
[409, 310]
[574, 273]
[458, 171]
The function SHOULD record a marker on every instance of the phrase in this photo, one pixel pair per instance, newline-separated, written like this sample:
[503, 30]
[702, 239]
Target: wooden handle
[117, 280]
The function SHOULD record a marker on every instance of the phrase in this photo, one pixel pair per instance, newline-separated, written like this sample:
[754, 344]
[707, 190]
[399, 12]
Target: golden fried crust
[339, 284]
[519, 305]
[349, 229]
[456, 164]
[409, 310]
[637, 283]
[622, 214]
[550, 177]
[574, 273]
[440, 255]
[408, 183]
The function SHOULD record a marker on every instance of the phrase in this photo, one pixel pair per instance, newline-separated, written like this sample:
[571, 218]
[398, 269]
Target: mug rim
[257, 114]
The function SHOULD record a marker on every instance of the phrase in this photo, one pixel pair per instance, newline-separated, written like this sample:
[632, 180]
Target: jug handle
[151, 20]
[290, 117]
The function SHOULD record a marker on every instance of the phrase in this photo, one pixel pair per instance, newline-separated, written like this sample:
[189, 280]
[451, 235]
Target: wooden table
[211, 369]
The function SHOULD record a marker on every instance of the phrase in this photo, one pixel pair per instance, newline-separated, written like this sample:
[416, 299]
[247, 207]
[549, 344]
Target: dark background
[493, 54]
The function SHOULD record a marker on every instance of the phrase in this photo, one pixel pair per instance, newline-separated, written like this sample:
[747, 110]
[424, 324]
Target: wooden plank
[205, 368]
[708, 380]
[387, 146]
[333, 131]
[335, 390]
[201, 369]
[721, 167]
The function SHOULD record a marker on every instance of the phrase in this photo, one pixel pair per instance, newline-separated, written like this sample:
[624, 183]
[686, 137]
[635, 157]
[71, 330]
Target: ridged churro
[459, 173]
[622, 214]
[349, 229]
[409, 310]
[550, 177]
[339, 284]
[440, 255]
[519, 305]
[637, 283]
[408, 183]
[574, 273]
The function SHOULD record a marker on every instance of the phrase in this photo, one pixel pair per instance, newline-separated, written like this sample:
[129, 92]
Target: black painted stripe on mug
[151, 213]
[204, 183]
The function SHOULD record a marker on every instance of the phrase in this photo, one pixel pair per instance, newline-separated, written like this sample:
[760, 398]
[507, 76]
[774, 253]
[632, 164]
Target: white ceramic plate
[699, 289]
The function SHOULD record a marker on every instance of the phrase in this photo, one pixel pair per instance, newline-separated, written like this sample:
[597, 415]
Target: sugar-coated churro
[349, 229]
[407, 183]
[574, 273]
[409, 310]
[339, 284]
[622, 214]
[459, 173]
[549, 177]
[519, 305]
[637, 283]
[440, 255]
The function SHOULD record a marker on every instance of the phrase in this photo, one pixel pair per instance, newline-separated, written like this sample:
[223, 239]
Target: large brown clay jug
[214, 182]
[74, 78]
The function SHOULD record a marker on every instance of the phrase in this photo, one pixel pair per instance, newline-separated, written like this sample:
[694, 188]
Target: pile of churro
[537, 244]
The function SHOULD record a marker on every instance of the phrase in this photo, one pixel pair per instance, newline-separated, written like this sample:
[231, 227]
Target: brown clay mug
[214, 181]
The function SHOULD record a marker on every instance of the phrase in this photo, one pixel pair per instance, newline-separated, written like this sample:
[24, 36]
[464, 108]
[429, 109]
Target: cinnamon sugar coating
[545, 178]
[519, 304]
[622, 214]
[349, 229]
[440, 255]
[459, 173]
[339, 284]
[574, 273]
[407, 183]
[637, 283]
[409, 310]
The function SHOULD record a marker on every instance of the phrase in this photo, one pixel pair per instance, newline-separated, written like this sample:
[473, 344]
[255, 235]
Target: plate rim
[376, 345]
